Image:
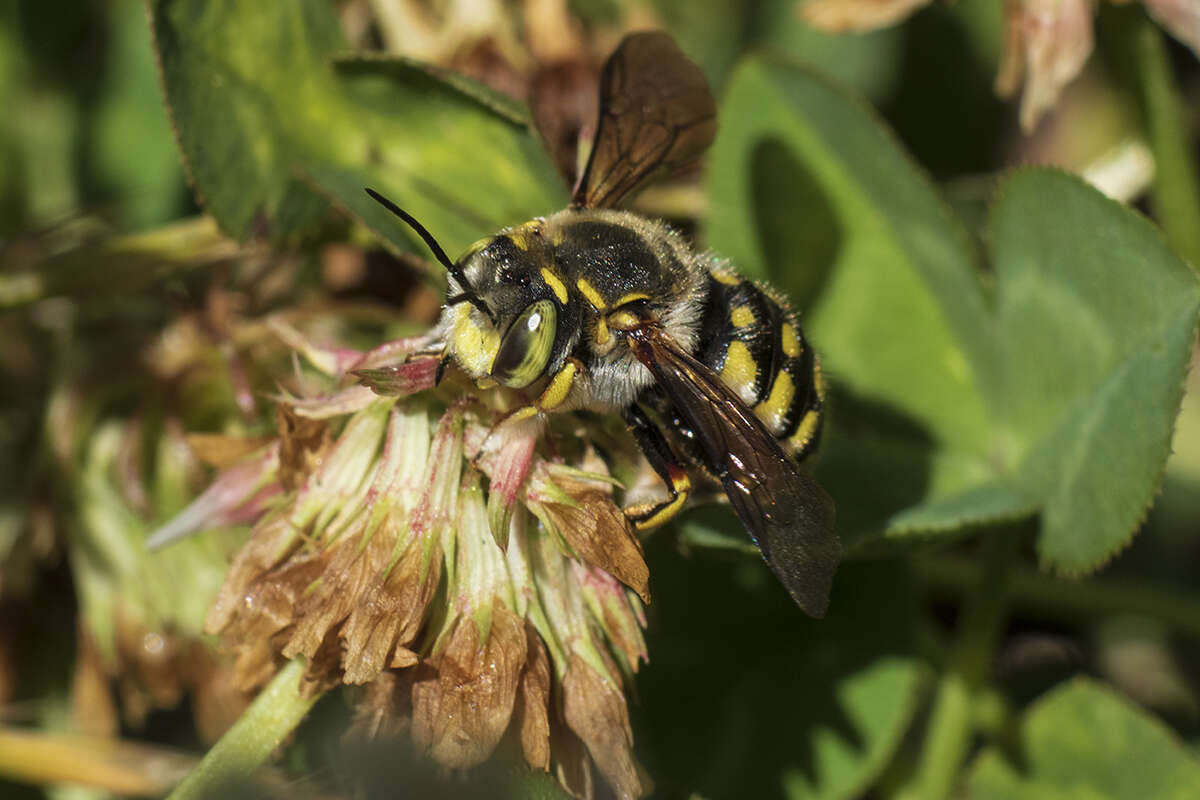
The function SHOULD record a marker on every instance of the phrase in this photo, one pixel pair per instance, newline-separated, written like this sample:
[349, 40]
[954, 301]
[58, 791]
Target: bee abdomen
[751, 339]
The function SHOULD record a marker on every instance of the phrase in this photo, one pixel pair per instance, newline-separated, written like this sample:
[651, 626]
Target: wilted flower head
[1047, 42]
[475, 584]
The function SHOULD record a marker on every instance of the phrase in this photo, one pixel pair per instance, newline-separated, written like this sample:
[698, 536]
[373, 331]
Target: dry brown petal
[533, 702]
[403, 658]
[857, 16]
[385, 706]
[600, 534]
[460, 713]
[572, 766]
[621, 623]
[594, 708]
[257, 626]
[270, 543]
[390, 609]
[303, 441]
[221, 451]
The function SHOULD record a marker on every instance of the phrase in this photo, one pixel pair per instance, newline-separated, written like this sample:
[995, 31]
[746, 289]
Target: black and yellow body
[598, 273]
[606, 310]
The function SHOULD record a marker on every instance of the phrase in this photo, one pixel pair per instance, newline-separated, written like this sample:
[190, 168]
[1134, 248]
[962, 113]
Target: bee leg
[551, 397]
[554, 394]
[664, 461]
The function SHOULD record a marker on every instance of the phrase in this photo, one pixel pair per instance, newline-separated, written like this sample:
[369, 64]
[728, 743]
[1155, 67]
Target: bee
[598, 308]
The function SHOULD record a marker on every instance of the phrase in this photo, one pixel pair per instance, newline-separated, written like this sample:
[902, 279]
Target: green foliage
[1084, 740]
[1000, 361]
[816, 713]
[963, 396]
[267, 124]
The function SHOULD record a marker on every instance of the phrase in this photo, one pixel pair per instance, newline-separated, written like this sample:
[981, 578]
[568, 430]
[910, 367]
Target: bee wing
[655, 111]
[788, 514]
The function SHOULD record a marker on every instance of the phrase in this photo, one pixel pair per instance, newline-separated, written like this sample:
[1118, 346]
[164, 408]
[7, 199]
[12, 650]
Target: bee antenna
[468, 294]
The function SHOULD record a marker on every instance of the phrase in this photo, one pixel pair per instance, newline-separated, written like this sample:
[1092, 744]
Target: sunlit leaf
[815, 712]
[1084, 740]
[962, 397]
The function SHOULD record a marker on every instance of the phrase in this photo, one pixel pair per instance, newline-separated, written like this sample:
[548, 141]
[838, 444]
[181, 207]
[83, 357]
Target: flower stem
[981, 621]
[1071, 601]
[273, 715]
[1176, 193]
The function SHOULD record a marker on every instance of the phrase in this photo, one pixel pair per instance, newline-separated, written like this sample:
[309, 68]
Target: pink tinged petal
[405, 456]
[401, 380]
[348, 400]
[395, 352]
[617, 611]
[509, 467]
[857, 16]
[336, 490]
[1047, 44]
[1181, 18]
[482, 572]
[437, 506]
[237, 494]
[333, 361]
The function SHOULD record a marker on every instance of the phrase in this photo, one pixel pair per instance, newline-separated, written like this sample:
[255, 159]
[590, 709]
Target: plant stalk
[1176, 191]
[948, 736]
[272, 716]
[1071, 601]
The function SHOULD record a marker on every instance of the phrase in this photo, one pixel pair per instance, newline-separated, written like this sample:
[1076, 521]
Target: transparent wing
[787, 513]
[656, 112]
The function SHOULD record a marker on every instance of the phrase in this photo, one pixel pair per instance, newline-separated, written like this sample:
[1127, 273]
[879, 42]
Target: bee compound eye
[525, 349]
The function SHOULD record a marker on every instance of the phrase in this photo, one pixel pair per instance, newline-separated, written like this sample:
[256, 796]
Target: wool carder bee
[603, 309]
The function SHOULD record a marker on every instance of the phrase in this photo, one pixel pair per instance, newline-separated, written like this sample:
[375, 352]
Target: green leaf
[1097, 318]
[898, 317]
[815, 714]
[269, 121]
[1082, 740]
[129, 137]
[961, 397]
[443, 153]
[249, 95]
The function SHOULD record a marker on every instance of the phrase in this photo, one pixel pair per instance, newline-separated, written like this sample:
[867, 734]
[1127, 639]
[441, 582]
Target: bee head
[503, 271]
[508, 333]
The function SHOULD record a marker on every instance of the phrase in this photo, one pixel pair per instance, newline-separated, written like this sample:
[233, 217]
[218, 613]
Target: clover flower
[1046, 42]
[477, 577]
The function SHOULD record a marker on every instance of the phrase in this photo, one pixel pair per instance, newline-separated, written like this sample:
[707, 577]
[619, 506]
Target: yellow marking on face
[742, 317]
[556, 284]
[560, 386]
[805, 430]
[590, 294]
[740, 371]
[727, 278]
[486, 383]
[791, 342]
[623, 320]
[474, 346]
[633, 297]
[775, 407]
